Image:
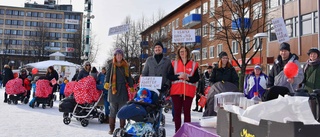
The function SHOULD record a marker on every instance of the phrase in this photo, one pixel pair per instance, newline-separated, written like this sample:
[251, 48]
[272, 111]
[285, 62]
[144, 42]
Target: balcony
[237, 23]
[191, 20]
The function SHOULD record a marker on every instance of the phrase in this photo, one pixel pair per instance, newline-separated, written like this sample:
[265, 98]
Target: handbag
[202, 101]
[131, 95]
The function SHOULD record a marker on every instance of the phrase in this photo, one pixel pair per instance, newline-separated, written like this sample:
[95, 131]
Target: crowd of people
[181, 79]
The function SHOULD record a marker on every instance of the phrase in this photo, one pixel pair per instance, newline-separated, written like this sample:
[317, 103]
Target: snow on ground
[22, 120]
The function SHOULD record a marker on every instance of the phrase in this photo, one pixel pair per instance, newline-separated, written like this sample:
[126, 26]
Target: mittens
[106, 86]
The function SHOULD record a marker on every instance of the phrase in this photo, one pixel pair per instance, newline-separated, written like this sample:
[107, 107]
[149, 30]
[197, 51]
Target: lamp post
[259, 37]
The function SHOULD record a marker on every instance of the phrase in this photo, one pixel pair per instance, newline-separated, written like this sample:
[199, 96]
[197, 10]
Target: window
[1, 31]
[257, 45]
[205, 30]
[1, 21]
[211, 52]
[272, 33]
[316, 22]
[296, 28]
[173, 24]
[273, 3]
[235, 47]
[177, 22]
[247, 45]
[289, 26]
[219, 3]
[198, 32]
[2, 11]
[211, 9]
[219, 49]
[204, 53]
[220, 24]
[306, 24]
[205, 8]
[211, 31]
[196, 56]
[257, 10]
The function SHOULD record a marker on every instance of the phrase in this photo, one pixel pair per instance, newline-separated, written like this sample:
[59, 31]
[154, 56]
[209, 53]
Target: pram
[16, 91]
[87, 98]
[167, 104]
[143, 119]
[43, 94]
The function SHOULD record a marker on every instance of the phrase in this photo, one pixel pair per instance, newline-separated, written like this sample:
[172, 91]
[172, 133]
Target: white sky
[110, 13]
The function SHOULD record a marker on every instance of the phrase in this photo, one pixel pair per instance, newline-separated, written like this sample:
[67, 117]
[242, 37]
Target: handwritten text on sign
[280, 29]
[151, 82]
[183, 35]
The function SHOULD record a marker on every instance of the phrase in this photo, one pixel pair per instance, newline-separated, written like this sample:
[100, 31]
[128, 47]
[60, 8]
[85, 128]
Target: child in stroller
[143, 118]
[16, 91]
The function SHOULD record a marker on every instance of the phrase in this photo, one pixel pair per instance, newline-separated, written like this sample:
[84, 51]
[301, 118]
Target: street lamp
[259, 37]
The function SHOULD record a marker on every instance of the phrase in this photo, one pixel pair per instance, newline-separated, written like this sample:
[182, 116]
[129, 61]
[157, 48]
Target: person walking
[8, 75]
[255, 82]
[117, 76]
[184, 75]
[203, 84]
[100, 86]
[276, 75]
[312, 71]
[85, 71]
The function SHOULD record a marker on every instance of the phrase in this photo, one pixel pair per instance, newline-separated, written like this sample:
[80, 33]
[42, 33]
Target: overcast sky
[110, 13]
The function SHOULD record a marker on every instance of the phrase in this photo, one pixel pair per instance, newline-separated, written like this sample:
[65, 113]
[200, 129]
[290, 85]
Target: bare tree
[40, 39]
[235, 20]
[94, 48]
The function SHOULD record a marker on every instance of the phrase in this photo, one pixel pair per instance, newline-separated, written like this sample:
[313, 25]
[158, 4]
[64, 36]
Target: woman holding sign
[50, 75]
[184, 75]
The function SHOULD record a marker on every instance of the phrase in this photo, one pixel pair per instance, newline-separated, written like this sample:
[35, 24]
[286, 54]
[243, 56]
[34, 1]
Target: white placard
[280, 29]
[183, 36]
[71, 21]
[150, 82]
[119, 29]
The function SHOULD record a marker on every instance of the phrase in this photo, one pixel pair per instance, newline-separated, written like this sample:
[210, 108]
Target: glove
[132, 90]
[106, 86]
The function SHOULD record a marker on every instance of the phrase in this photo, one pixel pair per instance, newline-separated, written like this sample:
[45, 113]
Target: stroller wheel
[148, 134]
[9, 101]
[51, 104]
[84, 122]
[163, 120]
[25, 100]
[119, 133]
[66, 120]
[101, 118]
[44, 106]
[15, 102]
[162, 132]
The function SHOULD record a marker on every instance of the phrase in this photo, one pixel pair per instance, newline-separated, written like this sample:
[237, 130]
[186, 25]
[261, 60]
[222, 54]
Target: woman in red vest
[184, 75]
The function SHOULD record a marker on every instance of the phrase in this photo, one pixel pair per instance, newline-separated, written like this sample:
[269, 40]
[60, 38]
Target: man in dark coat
[8, 75]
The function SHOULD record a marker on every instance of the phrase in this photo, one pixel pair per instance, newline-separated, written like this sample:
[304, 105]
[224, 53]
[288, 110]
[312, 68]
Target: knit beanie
[285, 46]
[315, 50]
[159, 44]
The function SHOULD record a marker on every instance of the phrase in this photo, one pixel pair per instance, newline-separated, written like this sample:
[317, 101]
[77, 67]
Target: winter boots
[112, 123]
[106, 120]
[122, 123]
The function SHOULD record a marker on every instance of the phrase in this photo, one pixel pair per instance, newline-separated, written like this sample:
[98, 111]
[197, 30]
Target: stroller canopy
[217, 88]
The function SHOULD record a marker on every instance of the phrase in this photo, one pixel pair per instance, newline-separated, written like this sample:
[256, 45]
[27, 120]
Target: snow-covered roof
[59, 54]
[47, 63]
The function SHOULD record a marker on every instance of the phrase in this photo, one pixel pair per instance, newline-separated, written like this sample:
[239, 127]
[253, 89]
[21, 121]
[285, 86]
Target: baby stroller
[167, 104]
[43, 94]
[16, 91]
[87, 98]
[143, 119]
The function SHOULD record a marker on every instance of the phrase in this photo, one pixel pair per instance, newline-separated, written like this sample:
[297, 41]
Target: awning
[248, 69]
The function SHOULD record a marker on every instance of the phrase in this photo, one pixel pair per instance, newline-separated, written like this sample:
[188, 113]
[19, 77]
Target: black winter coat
[8, 75]
[225, 74]
[83, 73]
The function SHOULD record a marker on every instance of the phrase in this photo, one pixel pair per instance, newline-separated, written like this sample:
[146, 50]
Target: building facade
[31, 33]
[206, 18]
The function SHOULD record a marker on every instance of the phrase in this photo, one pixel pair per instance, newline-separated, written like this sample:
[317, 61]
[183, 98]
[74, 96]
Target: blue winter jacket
[100, 82]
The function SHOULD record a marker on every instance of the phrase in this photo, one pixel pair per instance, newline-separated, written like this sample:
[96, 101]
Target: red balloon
[34, 71]
[291, 69]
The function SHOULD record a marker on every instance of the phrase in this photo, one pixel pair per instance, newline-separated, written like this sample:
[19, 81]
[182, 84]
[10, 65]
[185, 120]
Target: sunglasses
[88, 65]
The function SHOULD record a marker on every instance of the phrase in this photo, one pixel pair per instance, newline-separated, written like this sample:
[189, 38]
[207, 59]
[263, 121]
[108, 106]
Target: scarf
[114, 74]
[311, 63]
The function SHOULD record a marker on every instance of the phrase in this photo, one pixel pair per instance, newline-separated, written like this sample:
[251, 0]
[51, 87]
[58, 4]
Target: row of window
[33, 52]
[39, 14]
[35, 24]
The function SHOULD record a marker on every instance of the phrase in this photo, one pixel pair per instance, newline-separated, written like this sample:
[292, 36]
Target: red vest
[181, 87]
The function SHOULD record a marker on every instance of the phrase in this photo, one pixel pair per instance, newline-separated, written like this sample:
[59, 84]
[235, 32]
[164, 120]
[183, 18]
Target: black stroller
[147, 118]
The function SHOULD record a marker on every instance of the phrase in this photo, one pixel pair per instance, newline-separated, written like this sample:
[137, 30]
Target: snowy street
[22, 120]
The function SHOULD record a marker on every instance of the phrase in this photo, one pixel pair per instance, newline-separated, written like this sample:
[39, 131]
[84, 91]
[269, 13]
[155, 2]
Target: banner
[119, 29]
[183, 36]
[280, 29]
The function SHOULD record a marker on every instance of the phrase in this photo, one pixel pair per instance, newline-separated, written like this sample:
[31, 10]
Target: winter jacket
[311, 76]
[27, 84]
[253, 84]
[83, 73]
[122, 94]
[277, 77]
[227, 74]
[62, 87]
[101, 82]
[147, 99]
[152, 68]
[8, 75]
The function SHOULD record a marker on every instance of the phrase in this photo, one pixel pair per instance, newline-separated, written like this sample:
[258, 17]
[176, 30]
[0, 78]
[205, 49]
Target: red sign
[69, 49]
